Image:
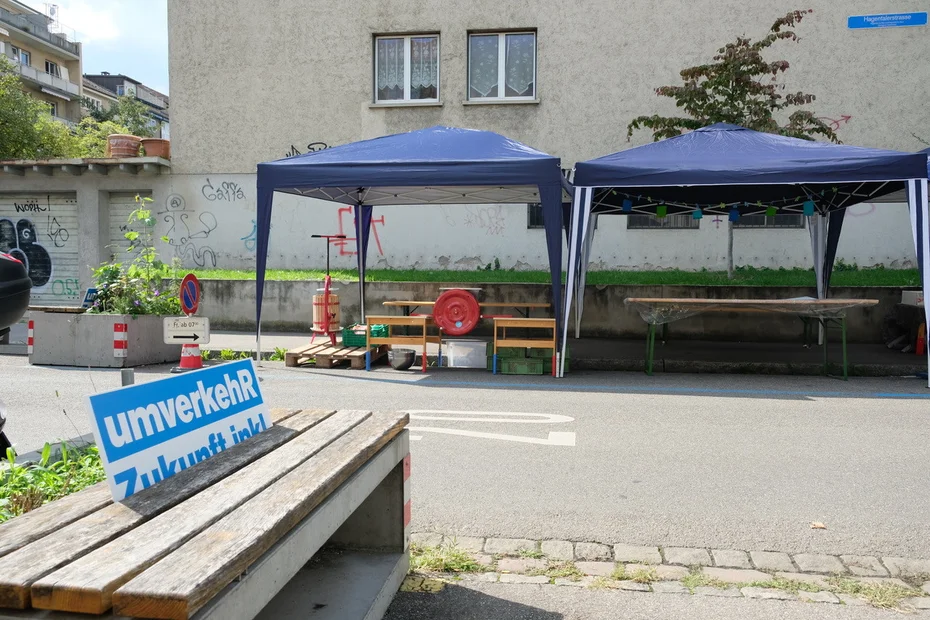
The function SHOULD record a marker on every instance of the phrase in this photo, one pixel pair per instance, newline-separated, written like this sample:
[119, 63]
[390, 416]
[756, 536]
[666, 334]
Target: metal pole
[128, 376]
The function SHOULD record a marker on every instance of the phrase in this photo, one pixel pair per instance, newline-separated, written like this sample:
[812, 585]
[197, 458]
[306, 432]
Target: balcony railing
[37, 26]
[42, 78]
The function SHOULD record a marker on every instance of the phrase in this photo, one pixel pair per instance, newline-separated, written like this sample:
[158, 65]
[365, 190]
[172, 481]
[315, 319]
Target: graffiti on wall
[490, 219]
[226, 191]
[21, 242]
[349, 245]
[188, 236]
[835, 123]
[313, 147]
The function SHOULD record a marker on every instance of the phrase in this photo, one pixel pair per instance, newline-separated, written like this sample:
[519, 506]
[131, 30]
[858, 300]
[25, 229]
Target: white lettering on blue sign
[887, 20]
[151, 431]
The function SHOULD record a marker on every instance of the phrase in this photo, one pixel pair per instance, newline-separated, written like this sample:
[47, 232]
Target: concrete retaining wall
[64, 339]
[288, 307]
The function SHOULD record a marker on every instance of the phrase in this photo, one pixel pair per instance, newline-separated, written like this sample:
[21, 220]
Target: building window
[52, 108]
[21, 56]
[407, 69]
[52, 68]
[681, 221]
[120, 90]
[534, 216]
[781, 220]
[502, 66]
[95, 103]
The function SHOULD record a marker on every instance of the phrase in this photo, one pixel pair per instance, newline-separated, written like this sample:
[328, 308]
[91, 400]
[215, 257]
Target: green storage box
[505, 351]
[354, 336]
[545, 353]
[520, 366]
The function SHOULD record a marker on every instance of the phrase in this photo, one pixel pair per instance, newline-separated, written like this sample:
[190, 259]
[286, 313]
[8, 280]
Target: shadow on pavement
[461, 603]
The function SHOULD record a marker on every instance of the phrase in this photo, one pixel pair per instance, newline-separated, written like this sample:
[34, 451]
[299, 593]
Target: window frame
[407, 52]
[739, 225]
[120, 90]
[693, 224]
[20, 54]
[502, 66]
[55, 66]
[52, 108]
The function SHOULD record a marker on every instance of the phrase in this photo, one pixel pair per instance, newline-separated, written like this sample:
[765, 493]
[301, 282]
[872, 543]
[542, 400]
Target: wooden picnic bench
[230, 537]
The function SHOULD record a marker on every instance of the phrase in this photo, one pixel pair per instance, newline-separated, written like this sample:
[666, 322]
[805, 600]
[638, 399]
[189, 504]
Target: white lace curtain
[520, 65]
[424, 67]
[483, 65]
[390, 69]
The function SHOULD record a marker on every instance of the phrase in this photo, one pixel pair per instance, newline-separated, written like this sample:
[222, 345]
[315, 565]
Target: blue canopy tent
[438, 165]
[730, 170]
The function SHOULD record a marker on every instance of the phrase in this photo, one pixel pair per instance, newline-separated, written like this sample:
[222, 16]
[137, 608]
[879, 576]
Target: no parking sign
[190, 294]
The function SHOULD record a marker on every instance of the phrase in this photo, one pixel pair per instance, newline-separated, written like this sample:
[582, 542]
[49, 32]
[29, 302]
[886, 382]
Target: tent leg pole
[823, 331]
[650, 347]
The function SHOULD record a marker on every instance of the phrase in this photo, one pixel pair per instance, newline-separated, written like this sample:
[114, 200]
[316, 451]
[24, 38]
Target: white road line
[484, 416]
[554, 439]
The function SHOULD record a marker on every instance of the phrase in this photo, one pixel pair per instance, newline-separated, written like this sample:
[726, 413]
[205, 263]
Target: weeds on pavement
[445, 558]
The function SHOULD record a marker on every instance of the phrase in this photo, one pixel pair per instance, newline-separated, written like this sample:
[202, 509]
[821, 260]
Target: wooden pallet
[327, 356]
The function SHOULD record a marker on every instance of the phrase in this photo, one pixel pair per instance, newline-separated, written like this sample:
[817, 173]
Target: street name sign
[187, 330]
[151, 431]
[887, 20]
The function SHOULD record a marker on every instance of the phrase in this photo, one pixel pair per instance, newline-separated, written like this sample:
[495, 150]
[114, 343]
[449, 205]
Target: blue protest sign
[151, 431]
[887, 20]
[89, 298]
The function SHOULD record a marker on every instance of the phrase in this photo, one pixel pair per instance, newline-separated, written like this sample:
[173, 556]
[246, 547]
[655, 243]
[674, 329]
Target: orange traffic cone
[190, 359]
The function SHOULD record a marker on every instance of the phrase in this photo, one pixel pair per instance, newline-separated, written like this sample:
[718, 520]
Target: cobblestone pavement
[887, 581]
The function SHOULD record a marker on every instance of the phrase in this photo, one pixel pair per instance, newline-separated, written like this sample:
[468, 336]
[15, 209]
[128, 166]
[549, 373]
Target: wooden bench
[501, 339]
[230, 537]
[423, 323]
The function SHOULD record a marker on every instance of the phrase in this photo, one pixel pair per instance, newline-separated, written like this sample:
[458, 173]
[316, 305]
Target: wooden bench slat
[35, 560]
[180, 584]
[87, 584]
[50, 517]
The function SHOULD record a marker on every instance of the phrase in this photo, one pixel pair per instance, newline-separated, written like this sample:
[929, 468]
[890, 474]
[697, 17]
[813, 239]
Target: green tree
[739, 87]
[55, 139]
[91, 136]
[134, 115]
[100, 114]
[19, 113]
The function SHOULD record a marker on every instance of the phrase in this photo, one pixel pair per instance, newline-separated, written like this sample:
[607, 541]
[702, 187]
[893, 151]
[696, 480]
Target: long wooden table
[222, 539]
[826, 312]
[412, 306]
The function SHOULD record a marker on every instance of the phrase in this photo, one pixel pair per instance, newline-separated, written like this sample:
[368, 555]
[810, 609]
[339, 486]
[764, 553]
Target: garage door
[121, 205]
[42, 231]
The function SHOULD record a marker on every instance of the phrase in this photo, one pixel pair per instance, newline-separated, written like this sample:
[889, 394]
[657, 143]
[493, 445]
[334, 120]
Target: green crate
[545, 353]
[505, 351]
[353, 338]
[520, 366]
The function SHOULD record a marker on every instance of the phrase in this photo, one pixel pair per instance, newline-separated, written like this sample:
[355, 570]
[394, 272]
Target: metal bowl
[401, 359]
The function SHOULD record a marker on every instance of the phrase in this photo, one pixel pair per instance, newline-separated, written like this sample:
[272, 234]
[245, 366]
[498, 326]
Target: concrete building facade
[564, 78]
[46, 57]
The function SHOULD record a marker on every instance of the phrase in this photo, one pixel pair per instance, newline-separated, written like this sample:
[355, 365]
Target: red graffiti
[835, 123]
[347, 214]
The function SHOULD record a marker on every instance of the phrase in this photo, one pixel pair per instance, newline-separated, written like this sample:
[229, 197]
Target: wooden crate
[327, 356]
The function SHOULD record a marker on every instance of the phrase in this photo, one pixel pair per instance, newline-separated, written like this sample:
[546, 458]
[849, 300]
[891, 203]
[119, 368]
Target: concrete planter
[95, 340]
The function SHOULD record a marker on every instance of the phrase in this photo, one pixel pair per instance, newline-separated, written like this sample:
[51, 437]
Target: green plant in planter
[138, 287]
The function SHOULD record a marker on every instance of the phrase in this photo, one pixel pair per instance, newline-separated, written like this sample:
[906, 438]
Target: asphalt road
[739, 462]
[477, 601]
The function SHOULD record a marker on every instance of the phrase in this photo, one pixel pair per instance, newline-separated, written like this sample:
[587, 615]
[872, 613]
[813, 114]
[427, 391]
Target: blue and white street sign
[151, 431]
[887, 20]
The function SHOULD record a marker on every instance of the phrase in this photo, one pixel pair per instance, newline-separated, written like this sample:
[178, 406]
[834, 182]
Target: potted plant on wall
[131, 302]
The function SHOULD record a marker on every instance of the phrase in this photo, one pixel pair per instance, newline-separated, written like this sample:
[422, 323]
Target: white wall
[210, 221]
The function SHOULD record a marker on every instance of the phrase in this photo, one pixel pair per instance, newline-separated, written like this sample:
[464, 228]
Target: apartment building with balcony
[106, 87]
[47, 58]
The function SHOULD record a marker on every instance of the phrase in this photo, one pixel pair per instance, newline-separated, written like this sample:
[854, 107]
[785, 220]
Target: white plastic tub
[465, 353]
